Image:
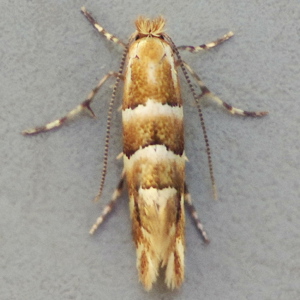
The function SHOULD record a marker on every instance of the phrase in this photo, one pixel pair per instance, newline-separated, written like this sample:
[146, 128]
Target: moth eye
[161, 37]
[137, 37]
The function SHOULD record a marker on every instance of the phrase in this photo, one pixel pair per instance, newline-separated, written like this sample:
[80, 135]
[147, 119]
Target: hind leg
[194, 215]
[109, 206]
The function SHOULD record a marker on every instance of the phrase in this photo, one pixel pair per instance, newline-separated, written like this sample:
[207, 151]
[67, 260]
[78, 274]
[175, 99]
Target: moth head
[150, 28]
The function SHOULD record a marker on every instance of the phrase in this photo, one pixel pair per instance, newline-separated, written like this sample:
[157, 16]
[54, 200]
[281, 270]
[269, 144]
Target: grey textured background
[51, 58]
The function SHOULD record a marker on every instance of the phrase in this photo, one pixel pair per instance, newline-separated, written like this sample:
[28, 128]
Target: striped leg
[207, 46]
[85, 105]
[213, 97]
[194, 215]
[100, 29]
[109, 206]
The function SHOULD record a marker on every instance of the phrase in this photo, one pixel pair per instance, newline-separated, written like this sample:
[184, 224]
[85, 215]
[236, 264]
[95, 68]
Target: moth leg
[194, 215]
[109, 206]
[207, 46]
[85, 105]
[233, 110]
[100, 29]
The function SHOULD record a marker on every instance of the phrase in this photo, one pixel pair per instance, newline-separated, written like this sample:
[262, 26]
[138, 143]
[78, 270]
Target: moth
[153, 144]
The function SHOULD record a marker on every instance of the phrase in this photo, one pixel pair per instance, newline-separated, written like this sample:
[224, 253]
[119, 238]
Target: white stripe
[154, 154]
[170, 58]
[157, 197]
[152, 108]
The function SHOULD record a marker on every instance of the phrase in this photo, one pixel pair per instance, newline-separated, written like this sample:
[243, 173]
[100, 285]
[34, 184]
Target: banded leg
[207, 46]
[194, 215]
[212, 96]
[85, 105]
[109, 206]
[100, 29]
